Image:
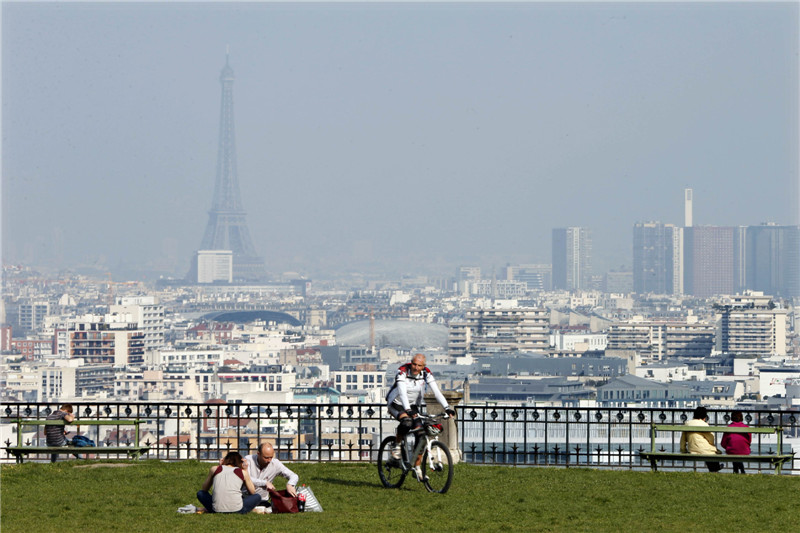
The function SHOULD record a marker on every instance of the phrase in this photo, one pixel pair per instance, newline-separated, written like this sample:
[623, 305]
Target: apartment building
[499, 330]
[751, 324]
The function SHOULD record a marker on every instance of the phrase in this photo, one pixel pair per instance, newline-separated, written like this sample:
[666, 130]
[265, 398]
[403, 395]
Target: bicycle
[437, 462]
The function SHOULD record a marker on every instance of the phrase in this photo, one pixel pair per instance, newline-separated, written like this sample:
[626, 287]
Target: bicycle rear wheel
[438, 468]
[390, 470]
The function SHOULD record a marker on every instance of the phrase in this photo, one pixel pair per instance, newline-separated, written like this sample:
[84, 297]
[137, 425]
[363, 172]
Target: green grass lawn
[91, 496]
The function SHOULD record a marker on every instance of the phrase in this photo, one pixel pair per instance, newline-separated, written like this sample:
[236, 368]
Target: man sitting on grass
[264, 468]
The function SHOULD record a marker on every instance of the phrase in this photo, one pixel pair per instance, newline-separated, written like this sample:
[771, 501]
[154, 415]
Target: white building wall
[214, 265]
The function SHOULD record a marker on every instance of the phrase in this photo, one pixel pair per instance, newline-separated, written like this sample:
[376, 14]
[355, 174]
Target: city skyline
[385, 136]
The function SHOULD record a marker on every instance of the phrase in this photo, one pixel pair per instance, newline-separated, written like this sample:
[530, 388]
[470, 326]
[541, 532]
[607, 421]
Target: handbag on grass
[282, 502]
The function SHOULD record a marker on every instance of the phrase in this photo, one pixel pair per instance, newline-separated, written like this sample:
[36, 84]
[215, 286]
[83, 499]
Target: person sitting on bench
[737, 443]
[57, 435]
[700, 442]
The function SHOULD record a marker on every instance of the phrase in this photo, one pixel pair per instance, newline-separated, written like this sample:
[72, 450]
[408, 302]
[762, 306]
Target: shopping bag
[312, 503]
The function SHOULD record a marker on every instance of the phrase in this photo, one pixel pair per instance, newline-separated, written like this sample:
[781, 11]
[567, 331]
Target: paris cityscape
[649, 286]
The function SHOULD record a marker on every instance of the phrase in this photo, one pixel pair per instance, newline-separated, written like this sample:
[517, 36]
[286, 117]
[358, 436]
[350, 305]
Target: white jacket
[410, 390]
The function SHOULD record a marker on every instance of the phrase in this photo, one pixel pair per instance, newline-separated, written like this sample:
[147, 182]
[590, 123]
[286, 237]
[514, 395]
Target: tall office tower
[687, 207]
[227, 227]
[572, 258]
[677, 260]
[652, 258]
[708, 260]
[772, 260]
[739, 259]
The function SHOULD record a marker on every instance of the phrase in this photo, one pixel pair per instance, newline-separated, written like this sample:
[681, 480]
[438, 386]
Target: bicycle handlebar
[433, 418]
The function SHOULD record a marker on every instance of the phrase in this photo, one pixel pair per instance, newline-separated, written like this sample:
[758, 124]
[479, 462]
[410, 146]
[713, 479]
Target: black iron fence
[487, 434]
[597, 437]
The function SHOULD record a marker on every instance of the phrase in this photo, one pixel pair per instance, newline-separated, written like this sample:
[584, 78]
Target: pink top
[737, 443]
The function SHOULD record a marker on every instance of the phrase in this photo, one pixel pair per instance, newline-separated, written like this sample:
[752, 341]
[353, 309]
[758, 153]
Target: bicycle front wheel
[390, 470]
[438, 468]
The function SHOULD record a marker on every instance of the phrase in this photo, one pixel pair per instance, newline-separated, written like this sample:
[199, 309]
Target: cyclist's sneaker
[417, 473]
[396, 453]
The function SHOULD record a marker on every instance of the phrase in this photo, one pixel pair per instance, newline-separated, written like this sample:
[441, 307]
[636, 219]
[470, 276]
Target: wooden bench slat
[71, 449]
[719, 429]
[77, 422]
[719, 457]
[132, 451]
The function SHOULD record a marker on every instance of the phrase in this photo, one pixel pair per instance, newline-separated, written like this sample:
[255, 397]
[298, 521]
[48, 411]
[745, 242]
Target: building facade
[572, 258]
[147, 313]
[657, 340]
[751, 325]
[653, 256]
[772, 260]
[486, 332]
[709, 261]
[214, 266]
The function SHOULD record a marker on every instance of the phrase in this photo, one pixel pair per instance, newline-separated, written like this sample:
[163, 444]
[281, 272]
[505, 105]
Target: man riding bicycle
[405, 399]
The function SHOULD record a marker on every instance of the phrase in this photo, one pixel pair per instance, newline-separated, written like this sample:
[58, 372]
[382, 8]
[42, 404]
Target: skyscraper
[772, 260]
[709, 260]
[572, 258]
[688, 207]
[677, 260]
[653, 257]
[227, 226]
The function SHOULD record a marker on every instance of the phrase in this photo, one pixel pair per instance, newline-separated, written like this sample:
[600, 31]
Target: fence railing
[487, 434]
[596, 437]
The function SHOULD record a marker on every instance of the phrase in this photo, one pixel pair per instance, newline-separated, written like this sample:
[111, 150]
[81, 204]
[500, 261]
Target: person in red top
[737, 443]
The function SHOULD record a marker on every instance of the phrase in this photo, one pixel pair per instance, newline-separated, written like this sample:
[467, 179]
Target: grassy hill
[144, 496]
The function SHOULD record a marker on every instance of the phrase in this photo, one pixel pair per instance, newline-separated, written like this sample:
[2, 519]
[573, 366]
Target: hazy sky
[373, 135]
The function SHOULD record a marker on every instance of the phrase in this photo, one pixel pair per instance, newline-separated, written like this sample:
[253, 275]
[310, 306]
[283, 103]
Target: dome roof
[394, 334]
[243, 317]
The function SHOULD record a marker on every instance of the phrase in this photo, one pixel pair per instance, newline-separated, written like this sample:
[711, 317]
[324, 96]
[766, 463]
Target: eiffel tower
[227, 227]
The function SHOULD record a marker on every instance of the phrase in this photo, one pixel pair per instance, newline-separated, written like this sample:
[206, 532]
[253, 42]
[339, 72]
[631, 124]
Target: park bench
[776, 460]
[20, 450]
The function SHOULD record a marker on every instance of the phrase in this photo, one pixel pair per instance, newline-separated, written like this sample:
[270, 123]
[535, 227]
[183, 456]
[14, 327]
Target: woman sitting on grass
[227, 480]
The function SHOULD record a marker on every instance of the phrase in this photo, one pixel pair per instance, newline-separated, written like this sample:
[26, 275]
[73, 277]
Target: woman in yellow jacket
[700, 442]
